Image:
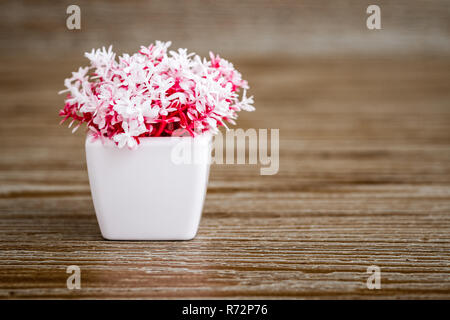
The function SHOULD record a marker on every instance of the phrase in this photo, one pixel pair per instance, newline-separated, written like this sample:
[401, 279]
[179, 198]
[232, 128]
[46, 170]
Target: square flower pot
[148, 193]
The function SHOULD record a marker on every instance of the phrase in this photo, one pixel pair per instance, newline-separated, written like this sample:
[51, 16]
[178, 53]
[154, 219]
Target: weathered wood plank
[364, 180]
[233, 27]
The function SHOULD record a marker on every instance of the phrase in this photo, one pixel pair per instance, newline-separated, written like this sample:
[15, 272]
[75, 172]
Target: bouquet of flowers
[153, 93]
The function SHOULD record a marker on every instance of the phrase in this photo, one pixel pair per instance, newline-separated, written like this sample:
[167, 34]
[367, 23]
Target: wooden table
[364, 180]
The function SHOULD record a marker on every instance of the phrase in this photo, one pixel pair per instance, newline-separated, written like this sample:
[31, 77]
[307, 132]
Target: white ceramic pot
[147, 194]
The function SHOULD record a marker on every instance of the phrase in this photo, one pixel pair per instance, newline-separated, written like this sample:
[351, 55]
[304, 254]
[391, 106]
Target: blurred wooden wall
[251, 28]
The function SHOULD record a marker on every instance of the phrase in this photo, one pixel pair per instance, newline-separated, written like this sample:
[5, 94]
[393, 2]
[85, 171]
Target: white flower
[246, 103]
[128, 137]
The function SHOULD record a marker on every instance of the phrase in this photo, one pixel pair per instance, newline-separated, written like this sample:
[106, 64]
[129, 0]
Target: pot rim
[203, 138]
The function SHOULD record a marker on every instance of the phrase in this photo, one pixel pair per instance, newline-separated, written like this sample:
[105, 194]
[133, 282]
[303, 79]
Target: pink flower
[153, 93]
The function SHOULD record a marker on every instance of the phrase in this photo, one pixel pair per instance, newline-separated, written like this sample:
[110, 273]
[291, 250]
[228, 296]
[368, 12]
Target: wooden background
[364, 157]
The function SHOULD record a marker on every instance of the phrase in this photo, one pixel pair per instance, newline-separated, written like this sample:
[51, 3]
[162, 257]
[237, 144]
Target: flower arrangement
[153, 93]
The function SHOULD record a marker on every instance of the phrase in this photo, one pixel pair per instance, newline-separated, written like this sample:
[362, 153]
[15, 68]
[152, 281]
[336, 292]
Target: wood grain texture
[234, 27]
[364, 180]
